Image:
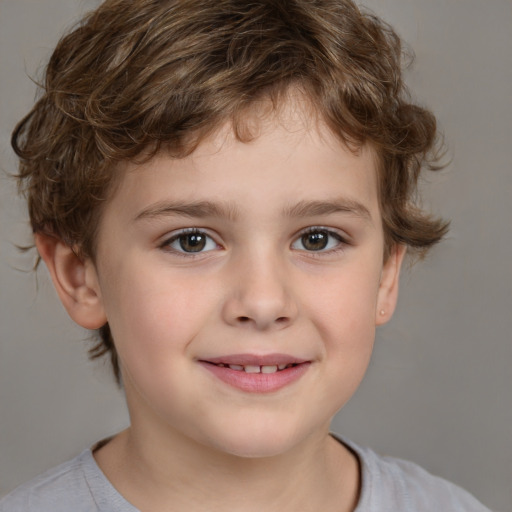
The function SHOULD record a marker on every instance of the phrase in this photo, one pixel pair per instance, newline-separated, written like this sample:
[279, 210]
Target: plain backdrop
[439, 388]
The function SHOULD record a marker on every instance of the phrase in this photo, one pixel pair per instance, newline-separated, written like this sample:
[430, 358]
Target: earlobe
[388, 288]
[75, 281]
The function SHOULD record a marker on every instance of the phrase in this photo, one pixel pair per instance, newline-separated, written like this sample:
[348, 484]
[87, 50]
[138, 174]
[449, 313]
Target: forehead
[289, 155]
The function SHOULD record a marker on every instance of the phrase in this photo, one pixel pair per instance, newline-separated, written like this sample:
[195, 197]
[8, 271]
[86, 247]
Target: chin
[257, 449]
[258, 441]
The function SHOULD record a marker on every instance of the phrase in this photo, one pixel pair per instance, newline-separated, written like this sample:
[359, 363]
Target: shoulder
[389, 483]
[52, 490]
[62, 488]
[77, 485]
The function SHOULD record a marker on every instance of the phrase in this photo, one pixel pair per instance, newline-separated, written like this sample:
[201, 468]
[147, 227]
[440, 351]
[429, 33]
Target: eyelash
[340, 246]
[167, 244]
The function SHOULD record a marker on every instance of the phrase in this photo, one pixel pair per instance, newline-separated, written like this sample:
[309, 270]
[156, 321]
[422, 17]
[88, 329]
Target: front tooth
[281, 366]
[252, 369]
[237, 367]
[268, 369]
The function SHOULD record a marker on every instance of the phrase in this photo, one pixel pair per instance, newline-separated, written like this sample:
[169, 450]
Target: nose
[260, 295]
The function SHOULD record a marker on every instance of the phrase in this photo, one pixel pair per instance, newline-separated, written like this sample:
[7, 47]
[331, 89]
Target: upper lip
[255, 359]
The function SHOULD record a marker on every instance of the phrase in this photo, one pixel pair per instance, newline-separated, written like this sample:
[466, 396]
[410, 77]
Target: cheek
[346, 299]
[156, 312]
[343, 312]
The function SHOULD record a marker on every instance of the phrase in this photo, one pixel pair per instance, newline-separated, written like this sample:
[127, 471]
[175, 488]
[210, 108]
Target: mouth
[251, 368]
[257, 374]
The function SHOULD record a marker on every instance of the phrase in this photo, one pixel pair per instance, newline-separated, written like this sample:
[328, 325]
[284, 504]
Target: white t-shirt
[387, 485]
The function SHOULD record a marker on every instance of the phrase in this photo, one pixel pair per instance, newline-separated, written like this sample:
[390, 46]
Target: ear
[388, 289]
[75, 280]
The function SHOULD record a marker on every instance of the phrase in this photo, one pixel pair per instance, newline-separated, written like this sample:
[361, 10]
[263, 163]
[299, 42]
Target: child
[224, 191]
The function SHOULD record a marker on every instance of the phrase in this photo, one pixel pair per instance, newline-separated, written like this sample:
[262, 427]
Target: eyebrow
[197, 209]
[204, 209]
[341, 205]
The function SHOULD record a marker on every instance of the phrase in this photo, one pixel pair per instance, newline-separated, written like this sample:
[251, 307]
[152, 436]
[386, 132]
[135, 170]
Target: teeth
[252, 369]
[257, 369]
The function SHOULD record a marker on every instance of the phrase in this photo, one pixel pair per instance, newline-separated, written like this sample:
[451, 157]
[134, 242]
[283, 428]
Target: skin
[255, 288]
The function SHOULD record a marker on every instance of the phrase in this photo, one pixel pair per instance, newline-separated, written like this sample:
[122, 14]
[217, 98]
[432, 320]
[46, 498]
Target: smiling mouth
[250, 368]
[257, 374]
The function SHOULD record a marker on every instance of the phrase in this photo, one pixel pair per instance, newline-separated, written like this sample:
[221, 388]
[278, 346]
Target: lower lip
[257, 382]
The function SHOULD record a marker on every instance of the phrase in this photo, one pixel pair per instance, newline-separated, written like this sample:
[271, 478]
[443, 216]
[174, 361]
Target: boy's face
[265, 253]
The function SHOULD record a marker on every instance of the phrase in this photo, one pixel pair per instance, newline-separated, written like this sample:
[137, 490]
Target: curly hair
[136, 77]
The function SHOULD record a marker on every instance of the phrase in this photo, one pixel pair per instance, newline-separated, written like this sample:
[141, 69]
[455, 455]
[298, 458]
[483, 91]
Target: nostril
[246, 319]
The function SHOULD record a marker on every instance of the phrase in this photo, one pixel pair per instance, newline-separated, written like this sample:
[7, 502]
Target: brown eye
[315, 241]
[318, 240]
[190, 242]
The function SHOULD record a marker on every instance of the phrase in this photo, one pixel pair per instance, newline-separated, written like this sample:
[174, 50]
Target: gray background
[439, 389]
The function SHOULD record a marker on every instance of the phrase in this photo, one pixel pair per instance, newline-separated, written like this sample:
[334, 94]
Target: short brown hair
[139, 76]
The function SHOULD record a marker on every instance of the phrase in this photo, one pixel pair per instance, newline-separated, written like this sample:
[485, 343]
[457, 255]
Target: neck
[153, 470]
